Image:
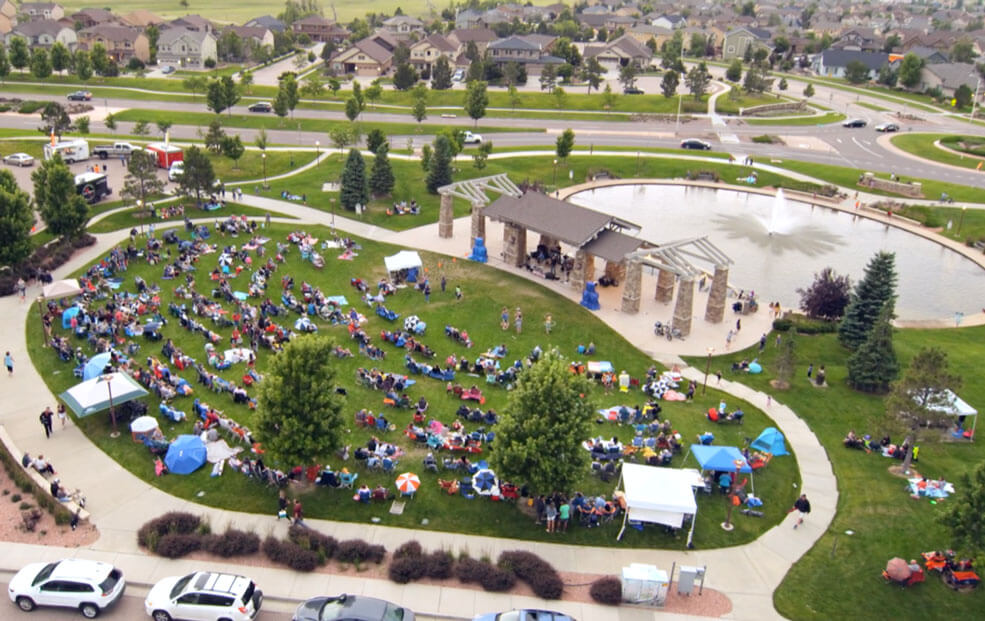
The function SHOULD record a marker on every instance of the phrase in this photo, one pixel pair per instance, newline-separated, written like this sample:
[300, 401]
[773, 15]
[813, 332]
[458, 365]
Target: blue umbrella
[185, 455]
[484, 481]
[67, 315]
[95, 366]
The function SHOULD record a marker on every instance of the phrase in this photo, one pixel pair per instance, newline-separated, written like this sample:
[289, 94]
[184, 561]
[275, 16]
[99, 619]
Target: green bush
[30, 107]
[764, 139]
[782, 325]
[804, 325]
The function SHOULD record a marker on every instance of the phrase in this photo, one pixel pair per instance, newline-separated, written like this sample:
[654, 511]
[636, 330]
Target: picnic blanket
[338, 300]
[219, 451]
[930, 489]
[613, 412]
[603, 366]
[238, 354]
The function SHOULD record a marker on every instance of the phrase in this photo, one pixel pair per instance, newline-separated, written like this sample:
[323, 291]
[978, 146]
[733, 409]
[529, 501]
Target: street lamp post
[263, 158]
[961, 221]
[140, 214]
[554, 183]
[704, 388]
[317, 152]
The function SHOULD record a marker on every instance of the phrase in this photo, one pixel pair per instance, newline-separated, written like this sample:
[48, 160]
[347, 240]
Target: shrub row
[308, 539]
[411, 563]
[231, 543]
[487, 575]
[290, 554]
[305, 549]
[804, 325]
[171, 523]
[542, 578]
[607, 590]
[357, 551]
[46, 258]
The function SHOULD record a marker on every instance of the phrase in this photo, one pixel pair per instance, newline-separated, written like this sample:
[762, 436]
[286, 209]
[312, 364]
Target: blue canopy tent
[95, 366]
[67, 315]
[185, 455]
[98, 393]
[770, 441]
[720, 459]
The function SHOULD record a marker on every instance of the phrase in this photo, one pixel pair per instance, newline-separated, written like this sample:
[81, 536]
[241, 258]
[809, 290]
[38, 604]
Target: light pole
[263, 158]
[704, 389]
[140, 214]
[961, 221]
[317, 153]
[554, 183]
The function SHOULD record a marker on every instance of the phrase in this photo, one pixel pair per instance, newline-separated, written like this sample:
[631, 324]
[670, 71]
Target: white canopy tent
[403, 260]
[61, 289]
[953, 405]
[659, 495]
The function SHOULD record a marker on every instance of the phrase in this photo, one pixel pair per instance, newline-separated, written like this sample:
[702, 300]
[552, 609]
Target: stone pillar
[615, 270]
[478, 221]
[514, 244]
[665, 286]
[715, 311]
[632, 285]
[589, 271]
[446, 217]
[578, 270]
[684, 307]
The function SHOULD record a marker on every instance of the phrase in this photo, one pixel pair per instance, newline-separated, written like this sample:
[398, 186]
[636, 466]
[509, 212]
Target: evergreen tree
[963, 514]
[4, 64]
[441, 74]
[16, 220]
[215, 98]
[374, 138]
[809, 91]
[61, 207]
[215, 136]
[403, 78]
[539, 434]
[874, 365]
[354, 190]
[381, 179]
[876, 289]
[439, 166]
[668, 85]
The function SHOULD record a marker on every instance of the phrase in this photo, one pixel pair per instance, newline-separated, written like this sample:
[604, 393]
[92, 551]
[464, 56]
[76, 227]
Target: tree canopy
[16, 220]
[61, 207]
[476, 100]
[963, 514]
[565, 143]
[539, 436]
[827, 296]
[439, 165]
[876, 289]
[141, 180]
[874, 365]
[353, 190]
[299, 412]
[381, 178]
[198, 176]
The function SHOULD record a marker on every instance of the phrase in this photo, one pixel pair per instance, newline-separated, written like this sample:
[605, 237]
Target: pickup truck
[117, 149]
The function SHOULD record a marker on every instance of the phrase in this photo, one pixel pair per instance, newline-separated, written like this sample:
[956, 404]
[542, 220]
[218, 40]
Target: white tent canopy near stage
[659, 496]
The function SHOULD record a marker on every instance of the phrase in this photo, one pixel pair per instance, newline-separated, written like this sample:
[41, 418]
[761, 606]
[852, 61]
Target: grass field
[922, 145]
[824, 119]
[485, 291]
[841, 574]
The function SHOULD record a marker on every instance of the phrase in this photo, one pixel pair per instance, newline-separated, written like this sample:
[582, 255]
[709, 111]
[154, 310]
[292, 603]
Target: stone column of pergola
[478, 222]
[665, 286]
[514, 244]
[583, 270]
[632, 286]
[615, 270]
[715, 311]
[446, 217]
[684, 307]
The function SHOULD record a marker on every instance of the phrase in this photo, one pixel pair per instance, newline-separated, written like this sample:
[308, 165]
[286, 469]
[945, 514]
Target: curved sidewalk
[120, 502]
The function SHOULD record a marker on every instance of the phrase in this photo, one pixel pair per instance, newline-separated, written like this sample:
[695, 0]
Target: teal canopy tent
[99, 393]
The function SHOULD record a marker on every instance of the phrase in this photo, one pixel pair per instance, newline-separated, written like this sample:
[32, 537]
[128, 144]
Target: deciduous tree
[16, 220]
[54, 119]
[476, 100]
[62, 209]
[299, 411]
[827, 296]
[441, 74]
[61, 58]
[963, 513]
[198, 177]
[141, 180]
[669, 83]
[564, 143]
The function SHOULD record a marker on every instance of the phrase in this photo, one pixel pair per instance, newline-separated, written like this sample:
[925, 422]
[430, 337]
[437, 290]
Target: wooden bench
[36, 476]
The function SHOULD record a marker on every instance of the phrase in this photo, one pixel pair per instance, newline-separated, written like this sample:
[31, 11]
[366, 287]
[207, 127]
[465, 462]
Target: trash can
[687, 577]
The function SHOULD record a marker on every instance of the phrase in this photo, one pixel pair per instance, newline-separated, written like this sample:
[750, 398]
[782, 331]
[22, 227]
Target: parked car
[261, 106]
[87, 586]
[527, 614]
[19, 159]
[632, 90]
[80, 96]
[695, 143]
[204, 595]
[176, 170]
[887, 127]
[471, 138]
[167, 69]
[458, 76]
[351, 608]
[854, 123]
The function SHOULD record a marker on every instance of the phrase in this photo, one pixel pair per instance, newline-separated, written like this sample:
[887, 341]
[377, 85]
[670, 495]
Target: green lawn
[726, 105]
[871, 106]
[841, 574]
[129, 218]
[922, 145]
[485, 291]
[824, 119]
[967, 225]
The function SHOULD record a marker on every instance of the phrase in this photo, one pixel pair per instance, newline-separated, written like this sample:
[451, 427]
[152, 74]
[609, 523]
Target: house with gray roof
[44, 33]
[949, 76]
[182, 47]
[737, 41]
[832, 63]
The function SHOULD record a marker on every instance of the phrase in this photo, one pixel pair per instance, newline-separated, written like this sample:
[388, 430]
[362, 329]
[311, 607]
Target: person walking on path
[46, 420]
[728, 340]
[62, 414]
[9, 361]
[281, 505]
[21, 288]
[738, 324]
[297, 511]
[762, 342]
[427, 293]
[803, 506]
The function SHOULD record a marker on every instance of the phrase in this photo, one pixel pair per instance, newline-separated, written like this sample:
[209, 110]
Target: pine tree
[874, 365]
[353, 190]
[439, 168]
[441, 74]
[381, 178]
[876, 289]
[16, 218]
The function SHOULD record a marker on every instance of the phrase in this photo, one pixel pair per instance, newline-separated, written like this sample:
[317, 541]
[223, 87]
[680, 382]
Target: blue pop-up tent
[719, 458]
[95, 366]
[67, 315]
[185, 455]
[770, 441]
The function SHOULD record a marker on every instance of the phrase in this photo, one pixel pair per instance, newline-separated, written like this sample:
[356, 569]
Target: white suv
[177, 169]
[204, 596]
[88, 586]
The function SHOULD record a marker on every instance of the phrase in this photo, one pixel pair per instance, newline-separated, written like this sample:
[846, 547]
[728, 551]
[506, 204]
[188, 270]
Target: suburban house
[141, 18]
[269, 22]
[949, 76]
[257, 34]
[467, 19]
[929, 55]
[403, 25]
[428, 50]
[859, 39]
[319, 28]
[532, 50]
[372, 56]
[93, 17]
[44, 33]
[42, 10]
[192, 22]
[185, 48]
[736, 42]
[619, 52]
[8, 16]
[121, 42]
[482, 37]
[671, 22]
[832, 63]
[644, 32]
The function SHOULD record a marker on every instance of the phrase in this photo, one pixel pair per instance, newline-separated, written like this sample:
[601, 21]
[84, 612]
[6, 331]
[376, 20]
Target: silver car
[19, 159]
